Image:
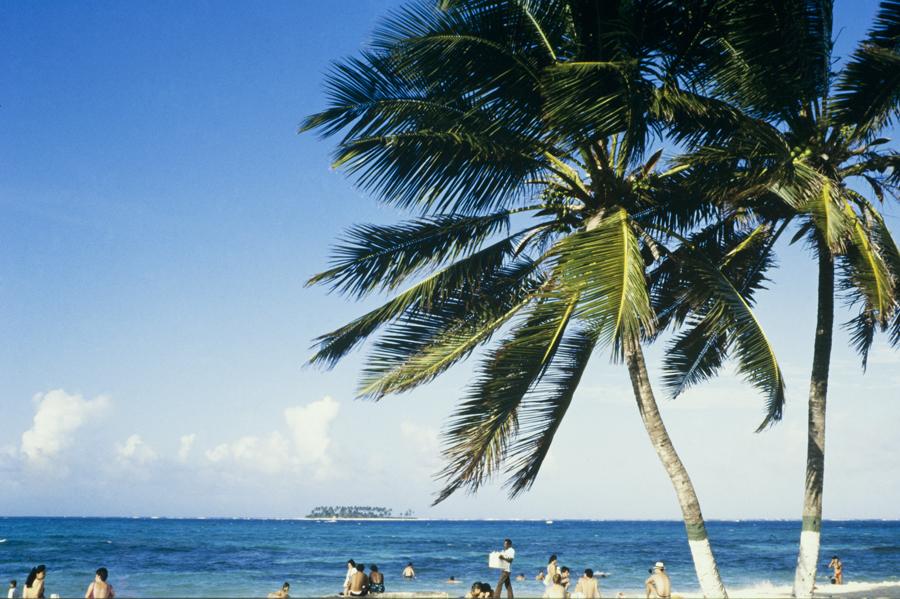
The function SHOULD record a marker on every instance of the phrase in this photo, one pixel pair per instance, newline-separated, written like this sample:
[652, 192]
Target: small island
[357, 512]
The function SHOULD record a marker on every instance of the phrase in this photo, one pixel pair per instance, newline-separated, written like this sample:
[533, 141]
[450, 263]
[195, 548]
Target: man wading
[506, 558]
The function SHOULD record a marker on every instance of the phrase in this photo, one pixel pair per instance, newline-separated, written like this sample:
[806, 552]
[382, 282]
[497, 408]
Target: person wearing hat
[659, 585]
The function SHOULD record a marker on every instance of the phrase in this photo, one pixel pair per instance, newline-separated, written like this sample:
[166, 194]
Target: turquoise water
[235, 558]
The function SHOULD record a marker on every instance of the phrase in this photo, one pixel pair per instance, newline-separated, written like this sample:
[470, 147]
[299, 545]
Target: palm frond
[427, 293]
[603, 264]
[479, 433]
[867, 96]
[544, 410]
[381, 257]
[424, 344]
[728, 314]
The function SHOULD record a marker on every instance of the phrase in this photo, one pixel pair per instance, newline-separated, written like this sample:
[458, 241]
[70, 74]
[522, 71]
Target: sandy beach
[850, 590]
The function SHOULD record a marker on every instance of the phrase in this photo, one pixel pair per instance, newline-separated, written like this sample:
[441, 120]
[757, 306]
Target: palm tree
[802, 136]
[519, 130]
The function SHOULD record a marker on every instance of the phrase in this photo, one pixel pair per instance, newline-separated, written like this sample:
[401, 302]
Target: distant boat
[548, 522]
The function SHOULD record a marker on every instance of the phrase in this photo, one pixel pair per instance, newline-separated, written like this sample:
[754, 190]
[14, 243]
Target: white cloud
[309, 428]
[185, 444]
[306, 446]
[424, 438]
[59, 415]
[135, 451]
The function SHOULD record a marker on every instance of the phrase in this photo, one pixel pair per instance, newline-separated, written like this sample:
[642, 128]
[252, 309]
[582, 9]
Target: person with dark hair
[486, 591]
[838, 568]
[34, 584]
[359, 582]
[565, 577]
[409, 571]
[351, 570]
[552, 570]
[100, 589]
[282, 593]
[587, 587]
[475, 591]
[506, 559]
[376, 580]
[12, 589]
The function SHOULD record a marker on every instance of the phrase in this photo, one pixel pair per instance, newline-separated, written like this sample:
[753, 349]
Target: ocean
[241, 558]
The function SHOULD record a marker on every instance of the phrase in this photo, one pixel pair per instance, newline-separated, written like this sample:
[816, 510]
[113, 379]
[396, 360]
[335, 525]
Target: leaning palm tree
[519, 131]
[790, 142]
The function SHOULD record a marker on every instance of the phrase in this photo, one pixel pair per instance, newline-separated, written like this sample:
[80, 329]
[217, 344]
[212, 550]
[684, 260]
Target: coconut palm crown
[519, 132]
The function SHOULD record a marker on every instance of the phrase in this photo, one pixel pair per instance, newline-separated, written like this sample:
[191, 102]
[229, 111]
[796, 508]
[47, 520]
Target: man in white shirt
[506, 559]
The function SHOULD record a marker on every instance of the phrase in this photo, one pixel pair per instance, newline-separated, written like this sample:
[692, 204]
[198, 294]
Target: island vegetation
[357, 511]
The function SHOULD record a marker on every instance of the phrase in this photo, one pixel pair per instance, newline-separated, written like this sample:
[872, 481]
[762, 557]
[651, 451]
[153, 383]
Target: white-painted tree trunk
[807, 561]
[698, 540]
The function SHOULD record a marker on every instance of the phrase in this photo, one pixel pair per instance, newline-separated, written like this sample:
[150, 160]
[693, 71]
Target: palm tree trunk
[808, 557]
[701, 551]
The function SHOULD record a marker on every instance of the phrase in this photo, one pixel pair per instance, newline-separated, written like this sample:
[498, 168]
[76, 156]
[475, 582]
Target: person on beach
[12, 589]
[475, 591]
[34, 584]
[376, 580]
[283, 593]
[506, 558]
[659, 585]
[838, 568]
[409, 571]
[486, 591]
[552, 570]
[351, 570]
[359, 582]
[555, 590]
[587, 586]
[565, 577]
[100, 589]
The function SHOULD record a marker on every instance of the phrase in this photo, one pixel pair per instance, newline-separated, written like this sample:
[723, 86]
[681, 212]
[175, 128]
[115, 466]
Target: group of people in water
[35, 585]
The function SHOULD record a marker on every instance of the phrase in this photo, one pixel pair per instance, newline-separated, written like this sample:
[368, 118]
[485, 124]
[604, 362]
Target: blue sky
[158, 218]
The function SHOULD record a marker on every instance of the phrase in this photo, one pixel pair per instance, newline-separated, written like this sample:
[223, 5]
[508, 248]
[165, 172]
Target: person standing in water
[100, 589]
[506, 559]
[12, 589]
[659, 585]
[409, 571]
[34, 584]
[838, 568]
[552, 570]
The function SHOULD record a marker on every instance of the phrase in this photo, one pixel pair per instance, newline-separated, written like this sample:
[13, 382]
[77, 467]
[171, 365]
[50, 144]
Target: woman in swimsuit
[376, 580]
[34, 584]
[552, 570]
[100, 589]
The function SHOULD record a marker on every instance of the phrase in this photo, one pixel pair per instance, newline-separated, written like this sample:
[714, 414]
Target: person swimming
[452, 580]
[283, 593]
[376, 580]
